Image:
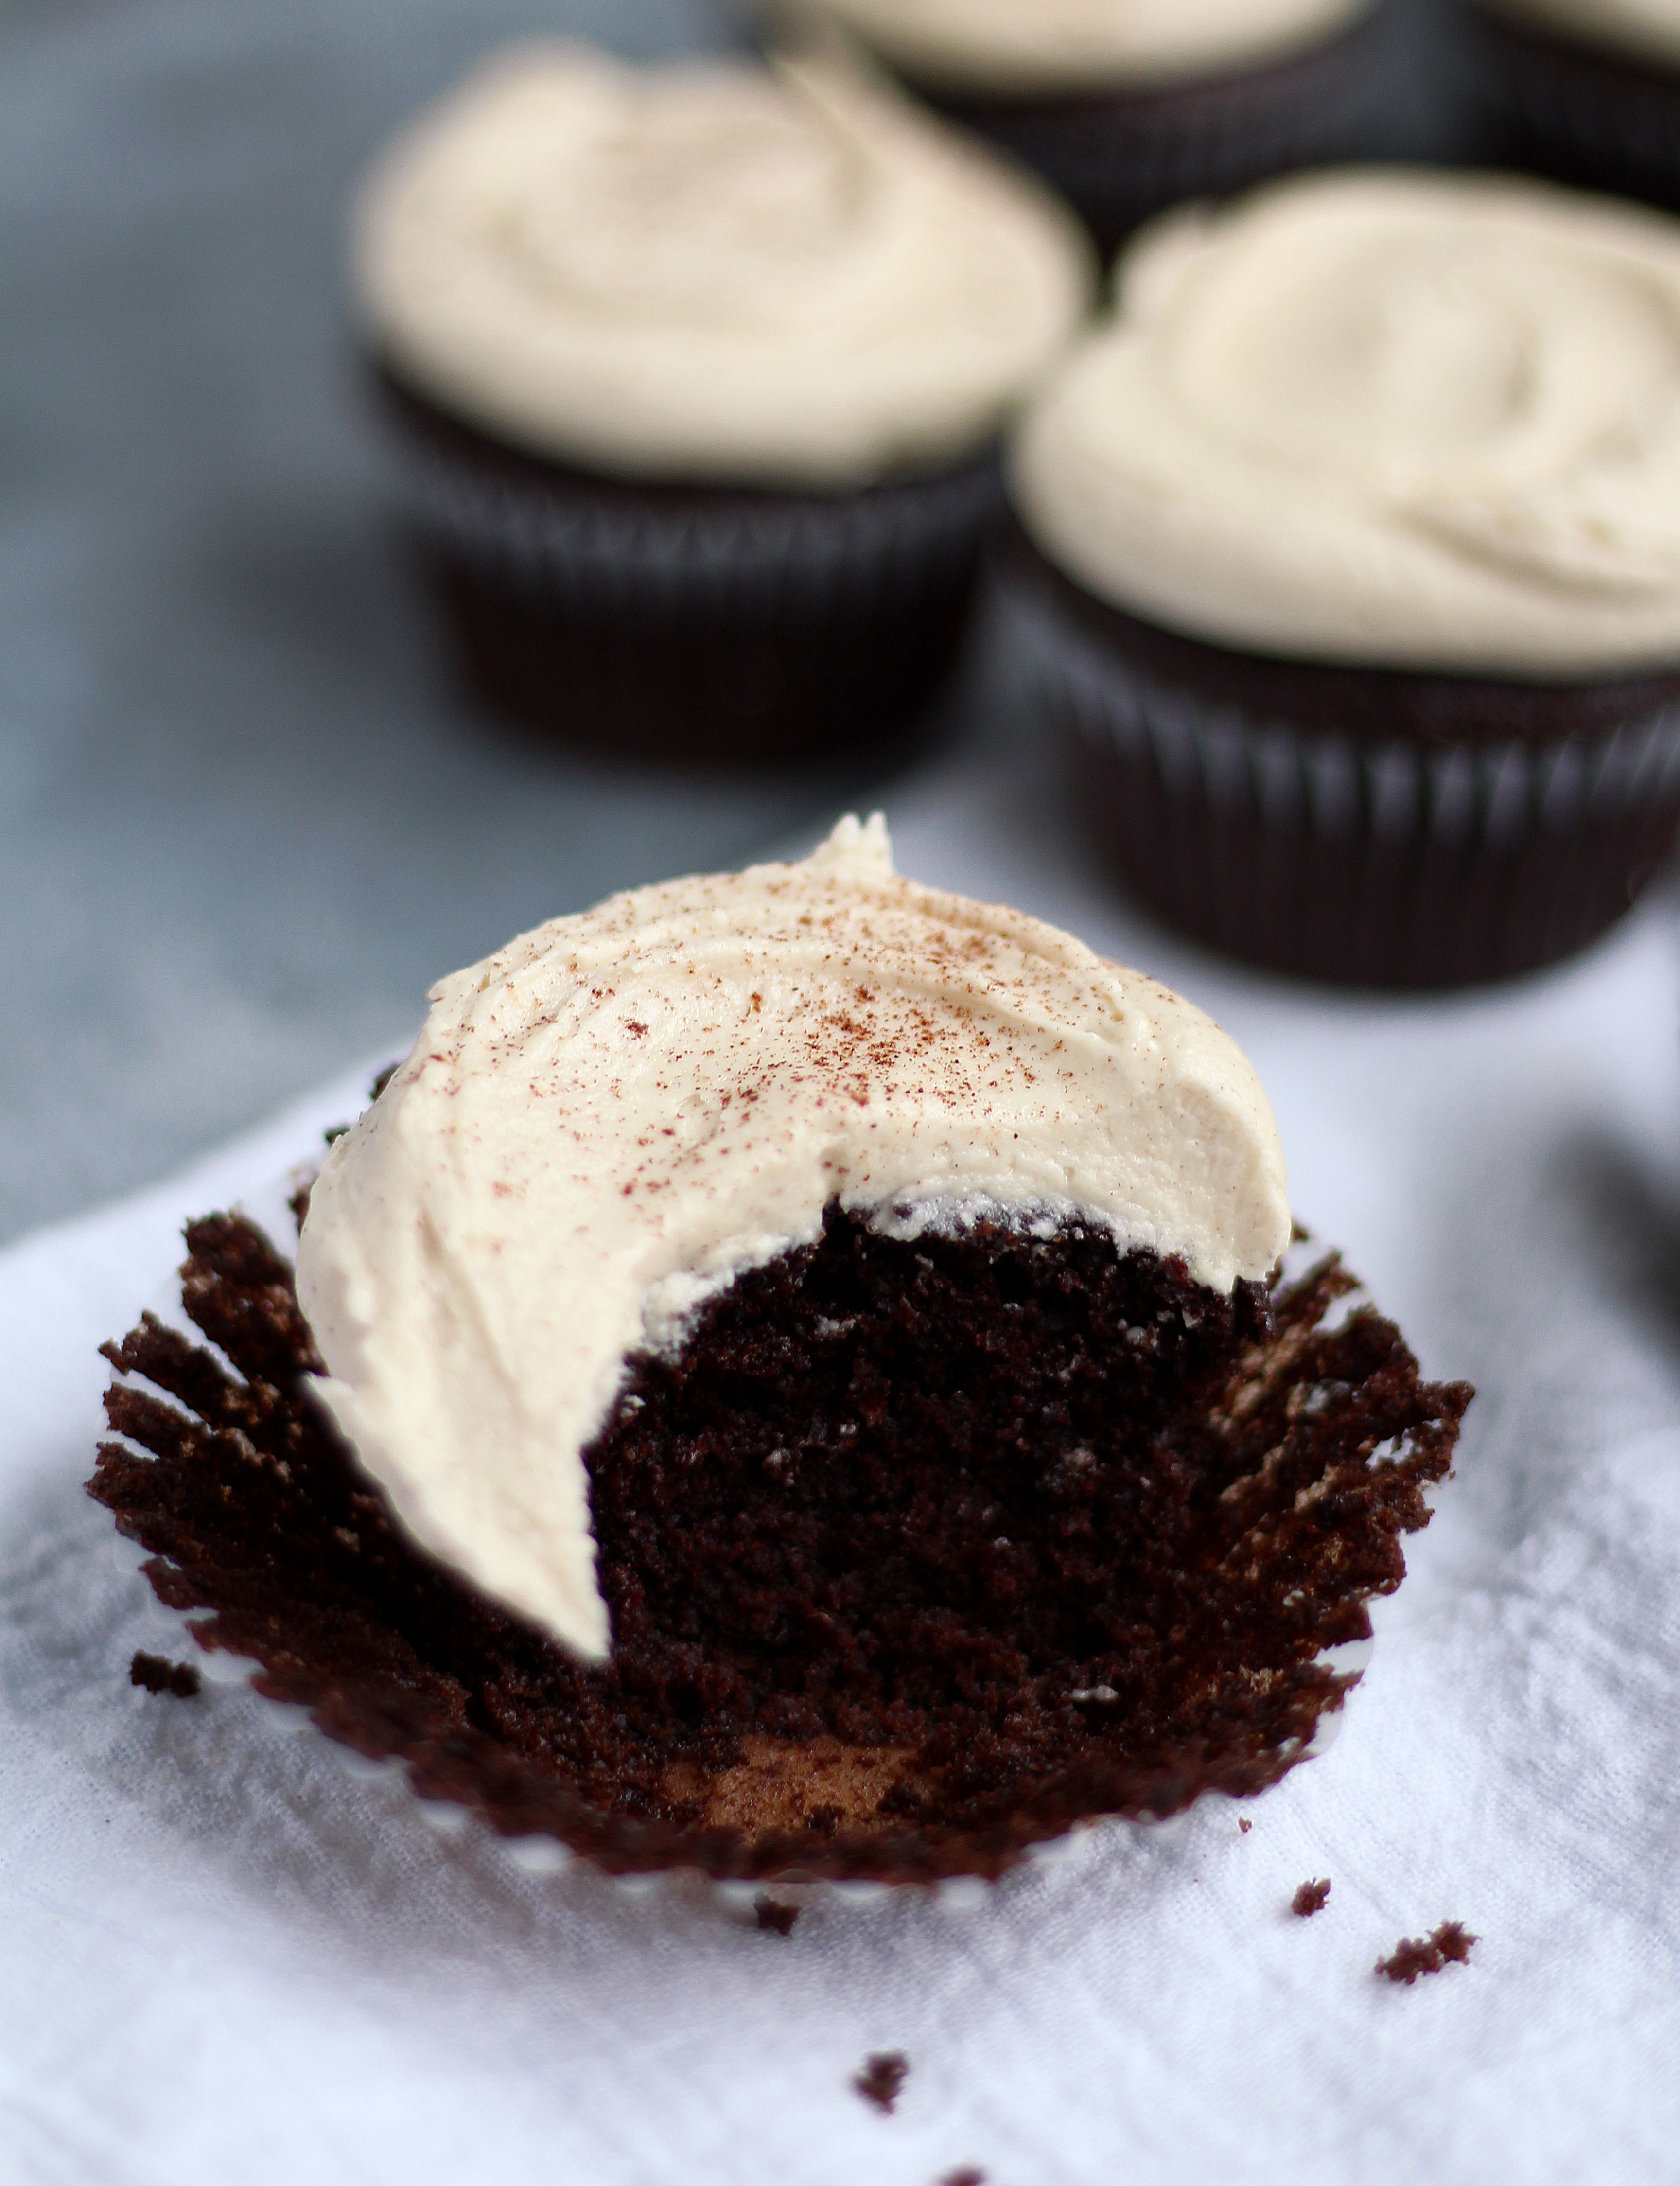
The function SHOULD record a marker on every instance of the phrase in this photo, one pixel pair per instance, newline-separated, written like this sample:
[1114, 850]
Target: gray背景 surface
[243, 821]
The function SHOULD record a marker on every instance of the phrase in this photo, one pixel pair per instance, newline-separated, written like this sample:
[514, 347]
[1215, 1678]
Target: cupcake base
[1121, 157]
[920, 1552]
[1363, 826]
[1577, 113]
[714, 625]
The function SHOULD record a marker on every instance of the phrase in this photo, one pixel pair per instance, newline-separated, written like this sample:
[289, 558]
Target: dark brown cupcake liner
[1120, 157]
[259, 1525]
[1580, 114]
[710, 624]
[1365, 827]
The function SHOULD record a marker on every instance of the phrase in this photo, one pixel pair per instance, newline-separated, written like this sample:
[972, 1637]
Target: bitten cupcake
[1130, 106]
[697, 374]
[1354, 541]
[1585, 90]
[791, 1376]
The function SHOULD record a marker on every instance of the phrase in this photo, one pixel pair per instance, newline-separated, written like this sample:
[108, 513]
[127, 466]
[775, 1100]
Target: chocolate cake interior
[918, 1549]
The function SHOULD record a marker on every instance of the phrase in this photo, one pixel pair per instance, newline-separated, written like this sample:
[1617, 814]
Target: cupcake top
[1647, 29]
[605, 1122]
[712, 270]
[1027, 47]
[1413, 421]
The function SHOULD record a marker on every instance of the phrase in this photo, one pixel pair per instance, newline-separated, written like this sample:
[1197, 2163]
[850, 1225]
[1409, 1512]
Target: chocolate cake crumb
[776, 1918]
[1450, 1944]
[1023, 1467]
[882, 2077]
[1310, 1899]
[1244, 1825]
[965, 2174]
[158, 1675]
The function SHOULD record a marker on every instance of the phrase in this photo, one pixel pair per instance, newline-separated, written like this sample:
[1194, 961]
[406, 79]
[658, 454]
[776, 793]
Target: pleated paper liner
[1121, 156]
[705, 626]
[1580, 114]
[258, 1527]
[1358, 826]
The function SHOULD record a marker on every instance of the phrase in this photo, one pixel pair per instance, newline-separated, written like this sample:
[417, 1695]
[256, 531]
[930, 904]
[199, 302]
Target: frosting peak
[1412, 421]
[605, 1122]
[713, 270]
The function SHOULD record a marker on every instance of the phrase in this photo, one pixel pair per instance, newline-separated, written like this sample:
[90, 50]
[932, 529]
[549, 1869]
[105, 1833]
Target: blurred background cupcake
[698, 373]
[1587, 91]
[1129, 106]
[1353, 544]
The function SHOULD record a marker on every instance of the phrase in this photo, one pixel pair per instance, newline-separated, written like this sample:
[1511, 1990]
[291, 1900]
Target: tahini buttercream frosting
[1395, 419]
[1646, 29]
[608, 1119]
[719, 270]
[1029, 46]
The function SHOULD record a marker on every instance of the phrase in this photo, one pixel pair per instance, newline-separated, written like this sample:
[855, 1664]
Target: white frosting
[1411, 420]
[1647, 29]
[613, 1116]
[714, 271]
[1034, 46]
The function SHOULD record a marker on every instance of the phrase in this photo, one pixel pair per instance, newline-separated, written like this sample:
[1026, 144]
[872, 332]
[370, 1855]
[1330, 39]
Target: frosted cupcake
[698, 373]
[1130, 107]
[1354, 537]
[807, 1388]
[1586, 90]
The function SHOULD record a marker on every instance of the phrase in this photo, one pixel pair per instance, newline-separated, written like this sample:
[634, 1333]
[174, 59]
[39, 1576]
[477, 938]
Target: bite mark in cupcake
[839, 1500]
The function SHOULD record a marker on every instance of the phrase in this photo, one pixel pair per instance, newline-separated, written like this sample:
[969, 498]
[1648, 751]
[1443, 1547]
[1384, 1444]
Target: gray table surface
[243, 819]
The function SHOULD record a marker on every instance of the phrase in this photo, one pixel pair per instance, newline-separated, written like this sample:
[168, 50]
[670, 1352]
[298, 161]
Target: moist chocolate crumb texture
[1354, 536]
[791, 1376]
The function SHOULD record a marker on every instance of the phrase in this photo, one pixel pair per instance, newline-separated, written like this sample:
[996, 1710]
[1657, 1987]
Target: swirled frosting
[1415, 421]
[1647, 29]
[608, 1119]
[713, 271]
[1053, 46]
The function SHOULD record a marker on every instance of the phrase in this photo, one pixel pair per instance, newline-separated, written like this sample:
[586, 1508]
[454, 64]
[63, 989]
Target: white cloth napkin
[223, 1955]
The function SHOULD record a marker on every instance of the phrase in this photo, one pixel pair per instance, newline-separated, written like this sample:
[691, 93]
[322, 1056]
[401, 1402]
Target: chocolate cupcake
[1354, 543]
[1129, 108]
[791, 1376]
[697, 375]
[1587, 91]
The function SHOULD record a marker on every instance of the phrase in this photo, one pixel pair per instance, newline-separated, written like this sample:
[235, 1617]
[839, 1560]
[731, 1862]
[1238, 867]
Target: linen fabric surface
[225, 1951]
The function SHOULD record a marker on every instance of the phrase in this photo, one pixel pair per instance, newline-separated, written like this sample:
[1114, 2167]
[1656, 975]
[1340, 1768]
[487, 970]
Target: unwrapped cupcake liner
[1594, 118]
[722, 626]
[1123, 157]
[1407, 863]
[455, 1789]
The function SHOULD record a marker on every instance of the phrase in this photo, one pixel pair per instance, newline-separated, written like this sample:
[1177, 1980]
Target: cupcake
[1585, 90]
[697, 375]
[790, 1377]
[1352, 543]
[1129, 108]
